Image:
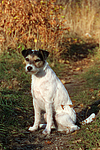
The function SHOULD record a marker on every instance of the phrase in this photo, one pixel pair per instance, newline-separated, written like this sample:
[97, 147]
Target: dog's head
[35, 60]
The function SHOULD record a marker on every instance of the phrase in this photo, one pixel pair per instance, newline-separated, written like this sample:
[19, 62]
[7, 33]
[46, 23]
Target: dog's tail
[89, 119]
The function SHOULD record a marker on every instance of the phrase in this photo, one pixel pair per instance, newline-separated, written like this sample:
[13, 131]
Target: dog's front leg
[49, 118]
[37, 117]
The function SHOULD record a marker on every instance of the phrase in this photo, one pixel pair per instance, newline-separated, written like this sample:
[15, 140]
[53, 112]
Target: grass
[16, 112]
[15, 85]
[87, 99]
[82, 17]
[87, 96]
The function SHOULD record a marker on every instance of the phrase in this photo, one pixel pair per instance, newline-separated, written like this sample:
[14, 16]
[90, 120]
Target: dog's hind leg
[65, 123]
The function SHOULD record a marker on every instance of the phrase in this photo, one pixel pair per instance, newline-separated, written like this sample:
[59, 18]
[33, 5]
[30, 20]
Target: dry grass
[40, 24]
[30, 23]
[83, 17]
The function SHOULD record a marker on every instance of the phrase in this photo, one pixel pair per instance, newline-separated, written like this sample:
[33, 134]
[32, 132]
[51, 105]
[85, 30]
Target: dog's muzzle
[31, 69]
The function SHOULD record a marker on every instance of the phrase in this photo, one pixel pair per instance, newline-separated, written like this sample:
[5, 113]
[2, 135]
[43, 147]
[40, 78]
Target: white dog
[49, 94]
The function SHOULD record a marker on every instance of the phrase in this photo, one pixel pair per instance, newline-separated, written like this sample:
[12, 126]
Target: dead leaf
[48, 142]
[95, 148]
[68, 81]
[99, 105]
[93, 97]
[71, 106]
[89, 107]
[98, 93]
[81, 105]
[61, 61]
[67, 62]
[9, 87]
[78, 69]
[96, 74]
[63, 81]
[93, 119]
[74, 133]
[17, 108]
[15, 82]
[21, 117]
[91, 90]
[52, 64]
[77, 141]
[73, 101]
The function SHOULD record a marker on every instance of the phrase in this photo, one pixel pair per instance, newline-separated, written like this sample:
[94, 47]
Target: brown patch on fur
[62, 107]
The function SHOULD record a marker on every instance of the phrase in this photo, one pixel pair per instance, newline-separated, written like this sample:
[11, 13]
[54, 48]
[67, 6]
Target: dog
[49, 94]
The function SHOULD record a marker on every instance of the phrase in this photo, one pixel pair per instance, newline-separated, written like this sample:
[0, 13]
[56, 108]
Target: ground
[82, 82]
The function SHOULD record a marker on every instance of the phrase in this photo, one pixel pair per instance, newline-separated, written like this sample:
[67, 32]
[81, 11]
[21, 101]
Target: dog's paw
[33, 128]
[73, 129]
[42, 126]
[46, 132]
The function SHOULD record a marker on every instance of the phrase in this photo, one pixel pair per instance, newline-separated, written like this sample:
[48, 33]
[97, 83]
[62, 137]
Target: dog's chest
[37, 91]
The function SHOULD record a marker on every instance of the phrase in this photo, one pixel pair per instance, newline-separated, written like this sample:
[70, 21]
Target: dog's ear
[44, 53]
[26, 52]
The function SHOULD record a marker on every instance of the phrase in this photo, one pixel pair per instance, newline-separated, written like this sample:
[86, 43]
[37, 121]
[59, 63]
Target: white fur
[89, 119]
[50, 95]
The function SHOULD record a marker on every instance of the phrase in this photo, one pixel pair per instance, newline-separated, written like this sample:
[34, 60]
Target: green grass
[14, 95]
[16, 112]
[90, 88]
[87, 97]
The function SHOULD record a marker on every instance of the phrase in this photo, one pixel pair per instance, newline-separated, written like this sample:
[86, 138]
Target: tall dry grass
[79, 17]
[83, 17]
[30, 24]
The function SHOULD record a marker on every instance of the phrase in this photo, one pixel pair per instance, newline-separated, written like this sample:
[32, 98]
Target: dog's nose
[29, 68]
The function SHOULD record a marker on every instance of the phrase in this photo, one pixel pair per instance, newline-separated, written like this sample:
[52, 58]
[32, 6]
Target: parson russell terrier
[50, 95]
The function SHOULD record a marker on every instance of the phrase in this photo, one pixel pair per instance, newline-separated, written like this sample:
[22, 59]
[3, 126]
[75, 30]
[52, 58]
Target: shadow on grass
[28, 146]
[77, 51]
[93, 108]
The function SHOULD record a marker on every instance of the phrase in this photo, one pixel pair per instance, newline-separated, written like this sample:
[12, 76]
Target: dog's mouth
[30, 70]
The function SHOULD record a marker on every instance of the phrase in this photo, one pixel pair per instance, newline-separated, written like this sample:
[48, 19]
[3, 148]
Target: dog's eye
[27, 59]
[37, 60]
